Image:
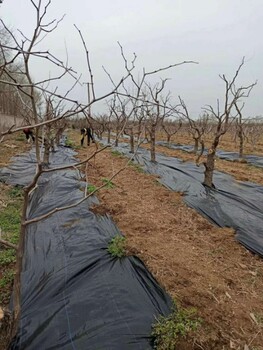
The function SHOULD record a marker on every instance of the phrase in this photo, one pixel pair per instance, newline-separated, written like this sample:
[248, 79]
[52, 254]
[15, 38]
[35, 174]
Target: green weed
[116, 153]
[10, 221]
[7, 278]
[116, 246]
[167, 330]
[91, 188]
[69, 143]
[16, 192]
[109, 184]
[4, 297]
[21, 137]
[7, 256]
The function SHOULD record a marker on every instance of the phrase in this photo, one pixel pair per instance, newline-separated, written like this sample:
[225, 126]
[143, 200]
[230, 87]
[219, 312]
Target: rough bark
[209, 169]
[153, 157]
[46, 153]
[132, 141]
[196, 145]
[210, 163]
[109, 135]
[117, 137]
[241, 144]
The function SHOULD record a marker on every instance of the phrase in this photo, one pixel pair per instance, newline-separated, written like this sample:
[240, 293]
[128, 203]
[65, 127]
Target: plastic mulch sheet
[231, 204]
[74, 294]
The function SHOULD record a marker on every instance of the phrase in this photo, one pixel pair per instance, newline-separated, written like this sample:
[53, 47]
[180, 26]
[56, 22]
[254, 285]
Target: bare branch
[8, 244]
[88, 61]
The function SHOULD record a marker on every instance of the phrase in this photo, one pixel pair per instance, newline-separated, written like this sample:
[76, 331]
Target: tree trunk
[139, 131]
[146, 135]
[209, 169]
[210, 163]
[196, 146]
[169, 138]
[108, 135]
[132, 141]
[153, 158]
[117, 138]
[241, 144]
[58, 136]
[46, 153]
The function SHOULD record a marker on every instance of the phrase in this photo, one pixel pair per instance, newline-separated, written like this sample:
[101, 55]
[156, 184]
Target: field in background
[6, 121]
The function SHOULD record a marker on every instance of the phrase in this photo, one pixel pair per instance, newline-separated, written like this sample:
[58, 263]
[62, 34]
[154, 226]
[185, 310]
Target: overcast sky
[216, 33]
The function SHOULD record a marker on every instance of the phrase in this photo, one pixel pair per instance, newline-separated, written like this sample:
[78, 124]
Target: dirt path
[200, 265]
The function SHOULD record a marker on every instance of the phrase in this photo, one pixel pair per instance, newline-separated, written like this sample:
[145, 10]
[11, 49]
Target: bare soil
[198, 264]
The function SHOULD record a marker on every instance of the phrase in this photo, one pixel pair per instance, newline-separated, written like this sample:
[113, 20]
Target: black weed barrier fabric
[231, 156]
[231, 204]
[74, 294]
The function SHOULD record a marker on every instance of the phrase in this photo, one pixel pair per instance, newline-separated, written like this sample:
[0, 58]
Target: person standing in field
[86, 132]
[29, 134]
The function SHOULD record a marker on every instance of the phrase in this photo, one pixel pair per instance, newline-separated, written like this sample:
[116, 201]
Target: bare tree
[254, 131]
[156, 112]
[118, 112]
[223, 118]
[144, 90]
[240, 125]
[197, 128]
[171, 127]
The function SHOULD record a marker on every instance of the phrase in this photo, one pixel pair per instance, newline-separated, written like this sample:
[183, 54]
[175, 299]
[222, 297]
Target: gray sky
[216, 33]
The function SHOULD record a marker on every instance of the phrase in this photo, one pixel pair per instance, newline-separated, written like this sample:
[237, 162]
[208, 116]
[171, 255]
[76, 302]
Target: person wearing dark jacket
[29, 133]
[86, 132]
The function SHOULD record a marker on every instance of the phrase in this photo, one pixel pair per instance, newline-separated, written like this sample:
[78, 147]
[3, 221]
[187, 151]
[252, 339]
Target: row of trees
[240, 132]
[153, 110]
